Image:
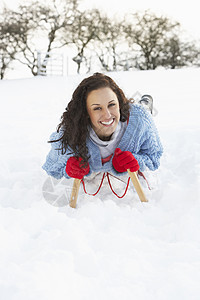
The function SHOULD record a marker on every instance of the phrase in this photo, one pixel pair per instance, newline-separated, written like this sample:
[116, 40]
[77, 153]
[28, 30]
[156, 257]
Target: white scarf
[108, 147]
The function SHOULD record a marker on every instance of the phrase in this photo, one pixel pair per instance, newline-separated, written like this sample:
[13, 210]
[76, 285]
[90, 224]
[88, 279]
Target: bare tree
[5, 60]
[85, 29]
[147, 33]
[8, 45]
[60, 16]
[111, 46]
[40, 26]
[177, 54]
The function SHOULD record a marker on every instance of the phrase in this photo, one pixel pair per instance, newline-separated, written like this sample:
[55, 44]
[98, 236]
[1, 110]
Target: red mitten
[73, 168]
[124, 160]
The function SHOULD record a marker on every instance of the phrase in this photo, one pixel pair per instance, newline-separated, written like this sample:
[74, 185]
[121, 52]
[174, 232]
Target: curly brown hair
[75, 120]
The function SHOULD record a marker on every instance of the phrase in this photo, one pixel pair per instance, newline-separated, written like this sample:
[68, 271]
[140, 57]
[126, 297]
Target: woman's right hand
[73, 168]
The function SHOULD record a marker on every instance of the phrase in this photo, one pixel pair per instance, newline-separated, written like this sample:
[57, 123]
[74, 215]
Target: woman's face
[104, 112]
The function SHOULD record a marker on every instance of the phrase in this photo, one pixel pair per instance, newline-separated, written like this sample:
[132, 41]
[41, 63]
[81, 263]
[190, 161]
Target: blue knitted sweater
[141, 138]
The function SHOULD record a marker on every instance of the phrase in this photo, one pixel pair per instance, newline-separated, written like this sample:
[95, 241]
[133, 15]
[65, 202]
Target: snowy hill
[107, 248]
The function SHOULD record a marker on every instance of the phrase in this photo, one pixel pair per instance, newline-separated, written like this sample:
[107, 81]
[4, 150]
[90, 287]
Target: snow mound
[107, 248]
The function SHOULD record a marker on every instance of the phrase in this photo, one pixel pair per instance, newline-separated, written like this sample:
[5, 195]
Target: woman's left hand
[124, 160]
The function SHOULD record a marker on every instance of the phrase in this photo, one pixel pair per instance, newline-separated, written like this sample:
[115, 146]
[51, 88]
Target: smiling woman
[104, 113]
[102, 131]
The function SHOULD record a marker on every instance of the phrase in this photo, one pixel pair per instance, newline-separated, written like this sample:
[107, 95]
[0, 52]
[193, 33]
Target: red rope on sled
[104, 175]
[142, 175]
[114, 191]
[109, 182]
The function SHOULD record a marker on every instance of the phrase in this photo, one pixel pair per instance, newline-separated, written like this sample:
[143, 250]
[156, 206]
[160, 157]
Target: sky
[185, 12]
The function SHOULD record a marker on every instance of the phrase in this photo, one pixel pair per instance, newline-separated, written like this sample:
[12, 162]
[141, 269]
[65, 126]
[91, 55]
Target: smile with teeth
[108, 123]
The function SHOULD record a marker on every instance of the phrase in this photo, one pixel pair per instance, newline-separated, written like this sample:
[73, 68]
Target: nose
[106, 114]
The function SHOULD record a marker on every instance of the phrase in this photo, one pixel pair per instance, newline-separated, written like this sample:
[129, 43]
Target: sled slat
[74, 194]
[137, 186]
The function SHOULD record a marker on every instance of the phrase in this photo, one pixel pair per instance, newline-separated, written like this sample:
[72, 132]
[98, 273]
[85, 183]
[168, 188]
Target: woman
[102, 131]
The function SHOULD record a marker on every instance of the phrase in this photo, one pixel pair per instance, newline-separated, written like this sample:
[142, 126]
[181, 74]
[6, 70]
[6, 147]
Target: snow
[106, 248]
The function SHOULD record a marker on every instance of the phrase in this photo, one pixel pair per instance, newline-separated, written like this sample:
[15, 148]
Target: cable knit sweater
[140, 138]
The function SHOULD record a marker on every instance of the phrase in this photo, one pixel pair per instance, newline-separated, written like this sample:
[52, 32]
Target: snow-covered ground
[107, 248]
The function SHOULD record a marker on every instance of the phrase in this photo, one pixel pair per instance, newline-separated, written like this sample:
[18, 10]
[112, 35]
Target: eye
[111, 104]
[97, 108]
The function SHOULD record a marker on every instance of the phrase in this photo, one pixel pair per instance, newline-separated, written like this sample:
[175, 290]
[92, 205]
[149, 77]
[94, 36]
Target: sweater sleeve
[150, 150]
[149, 155]
[55, 163]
